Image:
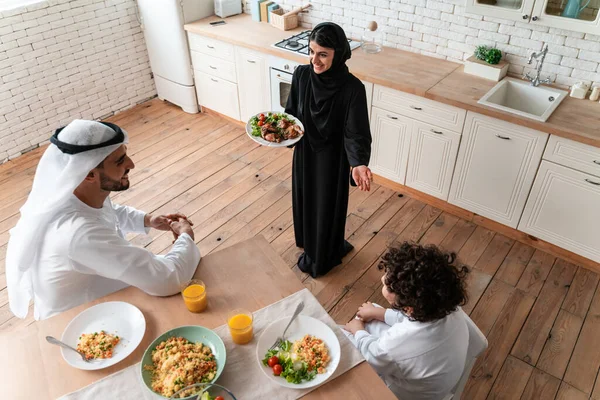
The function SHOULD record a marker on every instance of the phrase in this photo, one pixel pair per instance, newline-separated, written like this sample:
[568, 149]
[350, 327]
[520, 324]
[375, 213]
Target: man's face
[114, 172]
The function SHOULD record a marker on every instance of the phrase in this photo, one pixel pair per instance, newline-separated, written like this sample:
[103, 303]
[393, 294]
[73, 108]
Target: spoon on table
[57, 342]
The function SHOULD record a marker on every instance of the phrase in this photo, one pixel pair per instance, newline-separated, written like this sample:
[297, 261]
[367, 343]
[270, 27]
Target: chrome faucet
[535, 81]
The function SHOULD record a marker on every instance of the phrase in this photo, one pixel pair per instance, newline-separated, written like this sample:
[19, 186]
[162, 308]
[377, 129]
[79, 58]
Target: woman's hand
[363, 177]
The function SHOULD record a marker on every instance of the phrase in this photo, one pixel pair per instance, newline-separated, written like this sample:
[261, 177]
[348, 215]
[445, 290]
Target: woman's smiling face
[320, 57]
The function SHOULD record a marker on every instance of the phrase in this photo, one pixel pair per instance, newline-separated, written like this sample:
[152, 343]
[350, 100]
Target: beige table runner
[242, 375]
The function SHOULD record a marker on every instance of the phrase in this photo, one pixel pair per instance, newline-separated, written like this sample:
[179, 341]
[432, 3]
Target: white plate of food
[300, 366]
[274, 129]
[107, 333]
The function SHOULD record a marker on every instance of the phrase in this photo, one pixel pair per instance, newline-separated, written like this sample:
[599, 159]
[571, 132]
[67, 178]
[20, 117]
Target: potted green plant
[487, 63]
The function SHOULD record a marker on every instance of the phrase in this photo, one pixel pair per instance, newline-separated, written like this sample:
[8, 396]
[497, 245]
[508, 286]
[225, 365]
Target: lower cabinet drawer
[217, 94]
[564, 209]
[214, 66]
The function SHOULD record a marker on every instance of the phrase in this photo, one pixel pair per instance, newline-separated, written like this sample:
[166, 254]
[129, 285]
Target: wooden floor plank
[580, 292]
[559, 347]
[535, 274]
[541, 386]
[458, 236]
[568, 392]
[534, 334]
[501, 339]
[514, 264]
[477, 282]
[512, 380]
[494, 254]
[475, 246]
[491, 303]
[440, 228]
[585, 361]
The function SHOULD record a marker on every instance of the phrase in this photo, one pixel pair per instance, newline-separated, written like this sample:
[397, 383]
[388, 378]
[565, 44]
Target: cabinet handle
[525, 16]
[214, 80]
[503, 137]
[212, 67]
[592, 182]
[438, 132]
[209, 46]
[392, 117]
[596, 162]
[416, 108]
[251, 61]
[535, 18]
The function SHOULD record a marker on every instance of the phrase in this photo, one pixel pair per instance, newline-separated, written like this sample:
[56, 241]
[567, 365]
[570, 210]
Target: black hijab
[320, 113]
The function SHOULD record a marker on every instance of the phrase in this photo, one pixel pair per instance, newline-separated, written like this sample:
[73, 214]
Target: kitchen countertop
[432, 78]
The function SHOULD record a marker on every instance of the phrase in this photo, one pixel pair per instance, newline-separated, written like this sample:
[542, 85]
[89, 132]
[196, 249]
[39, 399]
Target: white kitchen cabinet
[564, 209]
[217, 94]
[391, 142]
[495, 168]
[419, 108]
[431, 159]
[253, 82]
[574, 15]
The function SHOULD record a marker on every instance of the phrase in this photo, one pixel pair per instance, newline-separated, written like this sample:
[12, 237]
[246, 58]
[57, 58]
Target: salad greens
[269, 118]
[294, 371]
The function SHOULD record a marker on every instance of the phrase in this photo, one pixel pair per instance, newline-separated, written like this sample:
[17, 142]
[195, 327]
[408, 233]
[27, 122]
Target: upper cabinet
[574, 15]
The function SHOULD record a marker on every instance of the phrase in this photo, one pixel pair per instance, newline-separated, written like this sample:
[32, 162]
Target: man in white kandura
[69, 246]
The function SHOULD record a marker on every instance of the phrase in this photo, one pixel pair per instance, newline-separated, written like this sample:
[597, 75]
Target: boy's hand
[368, 312]
[354, 326]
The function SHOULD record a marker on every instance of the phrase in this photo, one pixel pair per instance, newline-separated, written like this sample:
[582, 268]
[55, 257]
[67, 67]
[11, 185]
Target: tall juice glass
[194, 296]
[240, 326]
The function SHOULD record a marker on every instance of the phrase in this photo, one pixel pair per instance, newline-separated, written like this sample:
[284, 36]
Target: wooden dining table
[248, 275]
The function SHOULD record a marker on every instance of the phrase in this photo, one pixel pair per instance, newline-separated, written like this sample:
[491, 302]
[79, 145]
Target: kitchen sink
[521, 98]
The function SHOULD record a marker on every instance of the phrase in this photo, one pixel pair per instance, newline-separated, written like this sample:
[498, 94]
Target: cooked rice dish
[312, 351]
[97, 345]
[178, 363]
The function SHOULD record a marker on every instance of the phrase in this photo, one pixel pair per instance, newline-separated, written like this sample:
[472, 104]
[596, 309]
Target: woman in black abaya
[335, 150]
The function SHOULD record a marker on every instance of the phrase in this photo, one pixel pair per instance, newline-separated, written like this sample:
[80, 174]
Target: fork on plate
[281, 338]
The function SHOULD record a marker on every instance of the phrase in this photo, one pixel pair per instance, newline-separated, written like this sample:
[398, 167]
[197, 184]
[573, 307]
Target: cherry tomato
[219, 398]
[261, 116]
[277, 369]
[260, 123]
[272, 361]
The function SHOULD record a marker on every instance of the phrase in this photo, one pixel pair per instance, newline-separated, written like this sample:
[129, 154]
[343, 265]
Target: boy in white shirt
[419, 345]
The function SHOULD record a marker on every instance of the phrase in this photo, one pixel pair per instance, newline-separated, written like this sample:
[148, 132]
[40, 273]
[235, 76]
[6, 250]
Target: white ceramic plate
[264, 142]
[114, 317]
[303, 325]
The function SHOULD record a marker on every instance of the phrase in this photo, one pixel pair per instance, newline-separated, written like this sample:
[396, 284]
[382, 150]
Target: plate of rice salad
[181, 357]
[307, 358]
[107, 333]
[275, 129]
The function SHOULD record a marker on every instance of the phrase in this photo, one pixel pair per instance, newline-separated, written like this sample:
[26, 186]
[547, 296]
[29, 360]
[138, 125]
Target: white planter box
[480, 68]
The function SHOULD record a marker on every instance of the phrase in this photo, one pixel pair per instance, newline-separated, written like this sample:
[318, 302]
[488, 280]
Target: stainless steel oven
[281, 72]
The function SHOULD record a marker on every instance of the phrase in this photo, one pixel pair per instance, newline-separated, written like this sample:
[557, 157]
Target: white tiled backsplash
[67, 59]
[443, 29]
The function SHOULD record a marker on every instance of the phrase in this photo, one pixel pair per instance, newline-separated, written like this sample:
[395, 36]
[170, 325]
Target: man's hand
[181, 226]
[354, 326]
[368, 312]
[163, 222]
[363, 177]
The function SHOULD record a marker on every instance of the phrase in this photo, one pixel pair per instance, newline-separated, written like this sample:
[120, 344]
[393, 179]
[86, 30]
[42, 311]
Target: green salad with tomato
[283, 364]
[275, 127]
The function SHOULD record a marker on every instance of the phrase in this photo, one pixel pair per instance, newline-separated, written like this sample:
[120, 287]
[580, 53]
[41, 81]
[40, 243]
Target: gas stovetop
[299, 43]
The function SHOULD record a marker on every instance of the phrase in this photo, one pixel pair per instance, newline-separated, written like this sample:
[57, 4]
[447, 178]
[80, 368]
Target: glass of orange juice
[194, 295]
[240, 326]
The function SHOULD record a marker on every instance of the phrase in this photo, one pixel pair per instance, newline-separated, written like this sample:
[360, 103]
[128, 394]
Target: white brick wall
[443, 29]
[67, 59]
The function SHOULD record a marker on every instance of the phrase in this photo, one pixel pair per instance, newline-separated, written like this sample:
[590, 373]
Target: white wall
[61, 60]
[443, 29]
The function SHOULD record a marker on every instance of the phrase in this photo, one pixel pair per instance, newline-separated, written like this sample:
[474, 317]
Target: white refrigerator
[162, 23]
